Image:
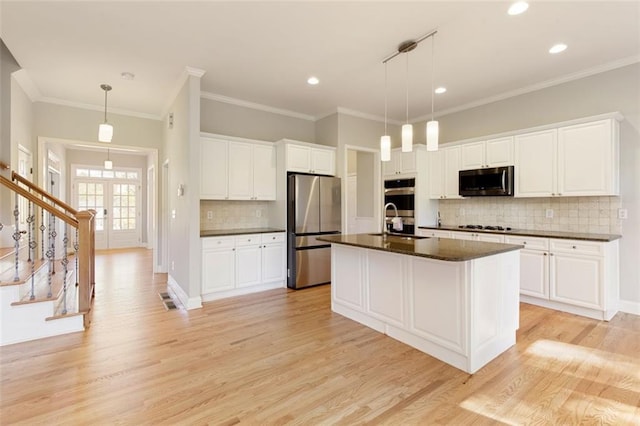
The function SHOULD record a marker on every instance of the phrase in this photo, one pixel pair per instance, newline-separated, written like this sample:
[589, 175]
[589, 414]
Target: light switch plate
[549, 213]
[622, 214]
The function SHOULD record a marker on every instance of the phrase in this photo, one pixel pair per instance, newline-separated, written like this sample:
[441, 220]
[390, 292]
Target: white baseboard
[630, 307]
[209, 297]
[186, 301]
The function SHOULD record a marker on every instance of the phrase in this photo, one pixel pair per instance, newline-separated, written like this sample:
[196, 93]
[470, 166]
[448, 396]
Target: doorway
[115, 196]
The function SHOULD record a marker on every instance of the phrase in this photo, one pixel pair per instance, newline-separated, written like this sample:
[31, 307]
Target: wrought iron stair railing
[77, 248]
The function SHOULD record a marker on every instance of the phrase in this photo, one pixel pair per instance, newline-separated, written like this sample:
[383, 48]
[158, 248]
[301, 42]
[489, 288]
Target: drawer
[530, 243]
[248, 240]
[433, 233]
[218, 242]
[577, 246]
[277, 237]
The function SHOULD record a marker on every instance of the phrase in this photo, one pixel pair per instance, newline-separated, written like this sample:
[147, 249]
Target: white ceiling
[263, 52]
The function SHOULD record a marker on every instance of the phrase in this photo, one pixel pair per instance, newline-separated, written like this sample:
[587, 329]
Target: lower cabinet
[235, 265]
[580, 277]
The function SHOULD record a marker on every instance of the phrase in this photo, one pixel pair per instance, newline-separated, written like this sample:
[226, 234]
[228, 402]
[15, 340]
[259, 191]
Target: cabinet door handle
[550, 254]
[545, 253]
[574, 247]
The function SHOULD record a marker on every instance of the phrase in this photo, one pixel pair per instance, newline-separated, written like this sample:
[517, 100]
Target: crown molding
[372, 117]
[195, 72]
[28, 86]
[100, 108]
[535, 87]
[184, 75]
[246, 104]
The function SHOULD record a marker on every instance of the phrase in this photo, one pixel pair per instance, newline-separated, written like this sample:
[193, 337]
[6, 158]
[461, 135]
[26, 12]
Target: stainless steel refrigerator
[313, 209]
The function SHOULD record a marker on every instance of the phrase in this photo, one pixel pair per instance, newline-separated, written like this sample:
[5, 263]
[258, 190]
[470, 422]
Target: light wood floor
[283, 357]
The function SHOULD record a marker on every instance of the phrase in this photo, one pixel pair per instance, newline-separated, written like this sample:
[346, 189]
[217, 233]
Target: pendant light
[108, 164]
[105, 131]
[407, 129]
[385, 141]
[432, 126]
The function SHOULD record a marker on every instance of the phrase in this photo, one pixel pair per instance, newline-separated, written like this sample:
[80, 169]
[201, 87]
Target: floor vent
[167, 301]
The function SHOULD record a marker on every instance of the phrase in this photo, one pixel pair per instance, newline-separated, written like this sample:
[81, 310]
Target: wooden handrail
[29, 196]
[67, 207]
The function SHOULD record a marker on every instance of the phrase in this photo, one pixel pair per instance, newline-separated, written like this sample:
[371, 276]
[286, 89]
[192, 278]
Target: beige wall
[326, 130]
[616, 90]
[233, 120]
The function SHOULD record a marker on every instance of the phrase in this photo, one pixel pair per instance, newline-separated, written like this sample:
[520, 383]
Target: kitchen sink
[400, 237]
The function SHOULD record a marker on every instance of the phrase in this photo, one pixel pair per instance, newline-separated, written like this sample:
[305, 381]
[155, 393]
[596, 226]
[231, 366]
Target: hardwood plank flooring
[282, 357]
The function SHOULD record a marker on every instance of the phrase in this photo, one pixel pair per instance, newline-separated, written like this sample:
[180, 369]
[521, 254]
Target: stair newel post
[16, 239]
[65, 261]
[86, 263]
[76, 246]
[31, 224]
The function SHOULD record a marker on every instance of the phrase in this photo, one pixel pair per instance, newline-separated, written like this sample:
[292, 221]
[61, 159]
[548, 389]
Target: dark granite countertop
[240, 231]
[531, 233]
[433, 248]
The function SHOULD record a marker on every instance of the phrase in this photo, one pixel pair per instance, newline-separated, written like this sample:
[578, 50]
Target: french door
[114, 195]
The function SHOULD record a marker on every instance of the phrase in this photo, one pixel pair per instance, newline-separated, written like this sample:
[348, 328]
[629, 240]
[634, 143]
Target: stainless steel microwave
[491, 182]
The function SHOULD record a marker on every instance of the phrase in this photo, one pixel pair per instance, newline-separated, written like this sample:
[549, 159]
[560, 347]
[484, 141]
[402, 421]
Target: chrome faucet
[384, 216]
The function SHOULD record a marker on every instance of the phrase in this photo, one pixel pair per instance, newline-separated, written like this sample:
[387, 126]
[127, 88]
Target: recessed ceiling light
[518, 7]
[557, 48]
[127, 75]
[313, 81]
[440, 90]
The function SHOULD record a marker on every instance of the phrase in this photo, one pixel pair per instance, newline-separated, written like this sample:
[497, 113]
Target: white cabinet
[234, 170]
[477, 236]
[577, 160]
[240, 163]
[534, 265]
[264, 172]
[213, 169]
[576, 273]
[444, 166]
[401, 163]
[218, 264]
[535, 164]
[315, 159]
[273, 257]
[575, 276]
[234, 265]
[248, 260]
[588, 159]
[491, 153]
[434, 233]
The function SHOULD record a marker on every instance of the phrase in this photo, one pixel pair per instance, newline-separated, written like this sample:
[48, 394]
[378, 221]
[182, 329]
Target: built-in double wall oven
[400, 192]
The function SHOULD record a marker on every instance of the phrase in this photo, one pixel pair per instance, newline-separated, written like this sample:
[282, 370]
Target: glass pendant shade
[432, 135]
[105, 132]
[108, 164]
[407, 138]
[385, 148]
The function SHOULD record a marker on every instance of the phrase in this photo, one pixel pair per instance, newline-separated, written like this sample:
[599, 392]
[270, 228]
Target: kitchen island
[455, 300]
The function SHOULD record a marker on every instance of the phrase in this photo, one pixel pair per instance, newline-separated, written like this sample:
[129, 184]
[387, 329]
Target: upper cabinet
[310, 158]
[535, 164]
[401, 163]
[576, 160]
[444, 166]
[588, 159]
[490, 153]
[235, 170]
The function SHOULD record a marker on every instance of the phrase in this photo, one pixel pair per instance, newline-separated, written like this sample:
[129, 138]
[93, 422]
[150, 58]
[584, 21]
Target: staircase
[46, 279]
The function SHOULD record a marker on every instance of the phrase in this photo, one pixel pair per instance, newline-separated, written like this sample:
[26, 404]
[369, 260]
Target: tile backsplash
[233, 214]
[597, 215]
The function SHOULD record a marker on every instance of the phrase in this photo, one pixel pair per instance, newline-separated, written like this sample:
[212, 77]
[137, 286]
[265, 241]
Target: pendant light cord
[433, 68]
[407, 87]
[105, 105]
[385, 98]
